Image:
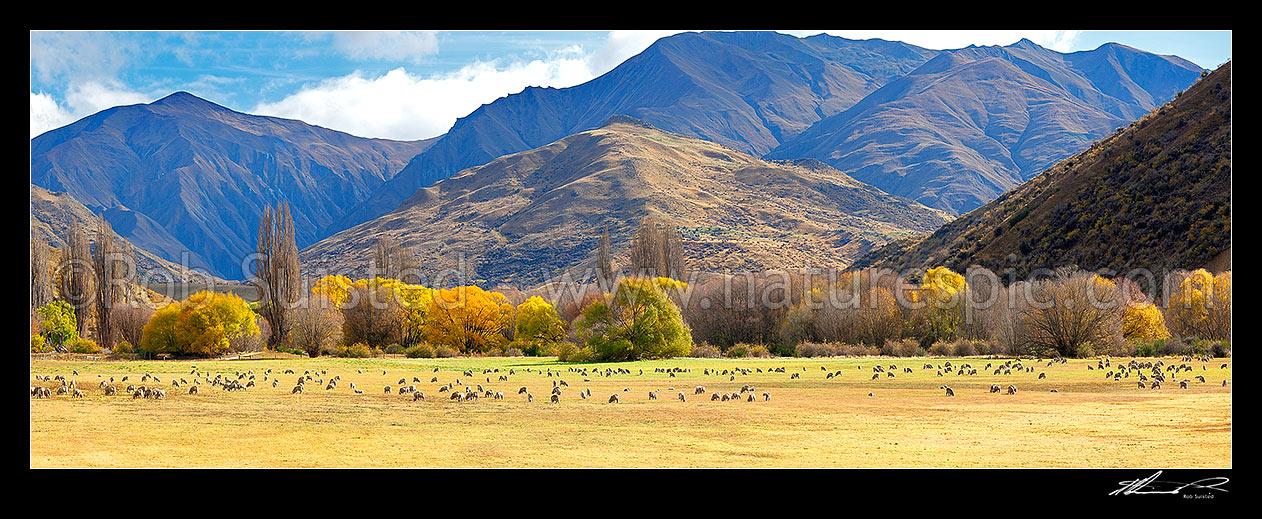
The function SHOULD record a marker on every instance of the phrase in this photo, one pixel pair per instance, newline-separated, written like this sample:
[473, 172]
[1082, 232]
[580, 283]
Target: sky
[410, 85]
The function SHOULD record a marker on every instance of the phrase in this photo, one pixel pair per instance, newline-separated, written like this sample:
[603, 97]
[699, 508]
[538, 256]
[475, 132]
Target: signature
[1151, 485]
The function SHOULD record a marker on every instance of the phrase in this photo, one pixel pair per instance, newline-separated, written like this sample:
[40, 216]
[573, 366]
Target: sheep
[681, 397]
[949, 391]
[1042, 376]
[387, 390]
[530, 397]
[994, 388]
[415, 396]
[76, 394]
[1012, 390]
[556, 398]
[457, 396]
[192, 390]
[652, 395]
[870, 394]
[714, 397]
[750, 398]
[110, 391]
[297, 389]
[613, 399]
[499, 395]
[699, 390]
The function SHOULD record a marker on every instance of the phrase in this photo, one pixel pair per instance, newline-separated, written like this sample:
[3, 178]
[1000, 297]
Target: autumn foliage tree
[468, 319]
[637, 321]
[538, 326]
[1200, 306]
[204, 324]
[1072, 313]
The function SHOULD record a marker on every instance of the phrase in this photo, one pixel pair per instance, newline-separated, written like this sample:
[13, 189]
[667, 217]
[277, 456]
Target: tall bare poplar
[657, 250]
[604, 262]
[276, 271]
[114, 269]
[41, 276]
[77, 283]
[395, 261]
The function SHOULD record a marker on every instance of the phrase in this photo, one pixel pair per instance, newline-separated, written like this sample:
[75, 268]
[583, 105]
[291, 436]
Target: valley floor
[810, 421]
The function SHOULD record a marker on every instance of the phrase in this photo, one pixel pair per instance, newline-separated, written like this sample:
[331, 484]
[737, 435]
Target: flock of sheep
[1149, 374]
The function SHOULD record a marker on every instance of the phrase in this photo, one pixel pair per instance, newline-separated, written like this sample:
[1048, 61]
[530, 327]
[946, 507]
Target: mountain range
[187, 179]
[973, 123]
[526, 218]
[1155, 195]
[203, 174]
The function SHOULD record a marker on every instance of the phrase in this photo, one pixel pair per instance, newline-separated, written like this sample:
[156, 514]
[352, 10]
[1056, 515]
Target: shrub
[358, 350]
[38, 345]
[571, 352]
[814, 349]
[902, 348]
[513, 352]
[445, 352]
[82, 345]
[419, 351]
[965, 348]
[738, 351]
[124, 348]
[942, 349]
[704, 351]
[759, 351]
[393, 348]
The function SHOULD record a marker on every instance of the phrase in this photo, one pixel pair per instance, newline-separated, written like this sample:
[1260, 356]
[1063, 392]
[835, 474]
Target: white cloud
[401, 105]
[1061, 41]
[411, 46]
[46, 114]
[82, 99]
[70, 55]
[620, 45]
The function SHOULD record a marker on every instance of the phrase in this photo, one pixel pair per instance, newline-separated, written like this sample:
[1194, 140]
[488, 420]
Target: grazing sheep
[387, 390]
[297, 389]
[415, 396]
[699, 390]
[1042, 376]
[556, 397]
[1183, 384]
[750, 398]
[870, 394]
[714, 397]
[613, 399]
[724, 397]
[192, 390]
[949, 391]
[652, 395]
[681, 397]
[111, 391]
[76, 394]
[1012, 390]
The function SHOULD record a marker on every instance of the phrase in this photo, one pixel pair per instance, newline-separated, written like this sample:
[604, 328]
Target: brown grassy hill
[522, 218]
[51, 215]
[1156, 195]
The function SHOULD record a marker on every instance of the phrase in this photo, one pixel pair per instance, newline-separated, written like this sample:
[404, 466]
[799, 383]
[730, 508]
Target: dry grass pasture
[809, 421]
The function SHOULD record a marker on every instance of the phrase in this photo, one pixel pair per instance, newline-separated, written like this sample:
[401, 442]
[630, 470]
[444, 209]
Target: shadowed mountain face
[973, 123]
[749, 91]
[526, 217]
[203, 174]
[1155, 196]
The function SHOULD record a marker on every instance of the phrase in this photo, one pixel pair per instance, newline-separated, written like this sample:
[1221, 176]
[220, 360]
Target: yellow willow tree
[1201, 306]
[539, 328]
[468, 318]
[1143, 322]
[942, 294]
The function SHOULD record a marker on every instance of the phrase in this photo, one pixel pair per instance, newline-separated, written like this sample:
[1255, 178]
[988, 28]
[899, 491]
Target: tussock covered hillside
[524, 217]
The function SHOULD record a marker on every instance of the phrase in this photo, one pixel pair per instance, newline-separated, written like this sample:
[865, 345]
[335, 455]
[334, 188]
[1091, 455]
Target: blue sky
[410, 84]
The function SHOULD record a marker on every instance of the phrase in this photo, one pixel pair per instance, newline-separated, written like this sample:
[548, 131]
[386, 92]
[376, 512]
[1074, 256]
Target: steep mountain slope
[525, 217]
[1155, 196]
[53, 212]
[204, 173]
[973, 123]
[746, 90]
